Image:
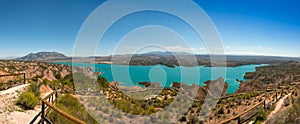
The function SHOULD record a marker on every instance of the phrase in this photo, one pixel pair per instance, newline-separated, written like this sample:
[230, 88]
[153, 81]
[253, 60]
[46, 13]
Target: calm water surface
[130, 75]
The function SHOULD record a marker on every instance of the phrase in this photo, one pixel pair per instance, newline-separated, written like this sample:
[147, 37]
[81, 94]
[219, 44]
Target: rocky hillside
[35, 71]
[42, 56]
[272, 76]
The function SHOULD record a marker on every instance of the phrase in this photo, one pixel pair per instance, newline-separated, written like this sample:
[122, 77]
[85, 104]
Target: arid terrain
[262, 98]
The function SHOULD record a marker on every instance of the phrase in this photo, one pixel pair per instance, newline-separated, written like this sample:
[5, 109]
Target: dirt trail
[7, 102]
[13, 90]
[279, 106]
[11, 113]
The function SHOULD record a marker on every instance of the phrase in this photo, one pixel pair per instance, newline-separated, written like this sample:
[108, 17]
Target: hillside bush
[27, 100]
[35, 89]
[72, 106]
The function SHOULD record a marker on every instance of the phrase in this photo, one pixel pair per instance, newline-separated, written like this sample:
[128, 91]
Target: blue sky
[256, 27]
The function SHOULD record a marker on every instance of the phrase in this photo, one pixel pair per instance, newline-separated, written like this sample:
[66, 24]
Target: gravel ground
[11, 113]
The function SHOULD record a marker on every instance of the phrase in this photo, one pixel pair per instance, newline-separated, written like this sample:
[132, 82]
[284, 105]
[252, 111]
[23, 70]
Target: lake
[131, 75]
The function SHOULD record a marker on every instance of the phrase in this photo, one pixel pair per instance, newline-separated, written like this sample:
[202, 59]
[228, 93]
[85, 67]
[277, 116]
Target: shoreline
[230, 90]
[174, 66]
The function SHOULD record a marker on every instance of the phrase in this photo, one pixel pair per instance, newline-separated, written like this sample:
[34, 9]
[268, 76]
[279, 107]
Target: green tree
[102, 82]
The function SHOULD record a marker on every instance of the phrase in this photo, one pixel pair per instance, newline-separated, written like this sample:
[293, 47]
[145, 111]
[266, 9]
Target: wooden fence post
[56, 95]
[43, 113]
[276, 95]
[24, 77]
[52, 97]
[265, 105]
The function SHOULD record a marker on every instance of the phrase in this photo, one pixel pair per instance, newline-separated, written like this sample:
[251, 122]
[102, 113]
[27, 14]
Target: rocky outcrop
[250, 86]
[34, 71]
[150, 84]
[213, 89]
[176, 85]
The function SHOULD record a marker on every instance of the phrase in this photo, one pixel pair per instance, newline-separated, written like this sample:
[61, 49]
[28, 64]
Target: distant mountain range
[42, 56]
[157, 56]
[8, 57]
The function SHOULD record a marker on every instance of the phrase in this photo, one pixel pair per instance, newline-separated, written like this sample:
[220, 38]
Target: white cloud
[245, 53]
[200, 50]
[261, 51]
[285, 54]
[181, 49]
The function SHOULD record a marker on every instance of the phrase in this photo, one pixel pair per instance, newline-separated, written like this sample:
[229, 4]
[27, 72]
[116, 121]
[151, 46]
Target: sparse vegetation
[27, 100]
[226, 107]
[72, 106]
[35, 89]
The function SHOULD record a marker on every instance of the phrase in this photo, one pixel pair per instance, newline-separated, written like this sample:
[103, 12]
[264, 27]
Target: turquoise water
[130, 75]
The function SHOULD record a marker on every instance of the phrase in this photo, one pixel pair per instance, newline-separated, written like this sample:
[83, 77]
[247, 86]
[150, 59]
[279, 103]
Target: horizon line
[187, 53]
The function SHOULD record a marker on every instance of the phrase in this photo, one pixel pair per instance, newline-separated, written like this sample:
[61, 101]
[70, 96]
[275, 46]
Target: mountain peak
[42, 56]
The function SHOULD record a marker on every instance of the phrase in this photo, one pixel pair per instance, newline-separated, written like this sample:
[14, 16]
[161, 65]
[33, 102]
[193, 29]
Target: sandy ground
[278, 107]
[18, 117]
[11, 113]
[106, 62]
[13, 90]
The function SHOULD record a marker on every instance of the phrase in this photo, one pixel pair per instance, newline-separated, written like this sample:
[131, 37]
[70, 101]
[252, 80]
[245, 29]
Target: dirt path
[13, 90]
[7, 102]
[279, 106]
[11, 113]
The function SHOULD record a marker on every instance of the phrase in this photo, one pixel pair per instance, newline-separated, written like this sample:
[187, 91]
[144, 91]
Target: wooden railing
[11, 83]
[51, 106]
[263, 103]
[12, 75]
[238, 117]
[48, 104]
[51, 98]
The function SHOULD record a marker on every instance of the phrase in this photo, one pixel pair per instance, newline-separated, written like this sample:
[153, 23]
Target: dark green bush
[102, 82]
[262, 115]
[221, 111]
[27, 100]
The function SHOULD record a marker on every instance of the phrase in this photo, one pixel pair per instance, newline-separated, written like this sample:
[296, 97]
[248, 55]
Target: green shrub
[72, 106]
[46, 81]
[27, 100]
[102, 82]
[35, 89]
[221, 110]
[262, 114]
[54, 84]
[58, 76]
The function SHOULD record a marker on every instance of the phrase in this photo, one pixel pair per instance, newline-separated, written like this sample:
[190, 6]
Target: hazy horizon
[14, 57]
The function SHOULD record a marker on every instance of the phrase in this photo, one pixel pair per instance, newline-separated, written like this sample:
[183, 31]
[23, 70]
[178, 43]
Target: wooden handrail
[10, 83]
[70, 117]
[49, 95]
[5, 75]
[238, 116]
[74, 119]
